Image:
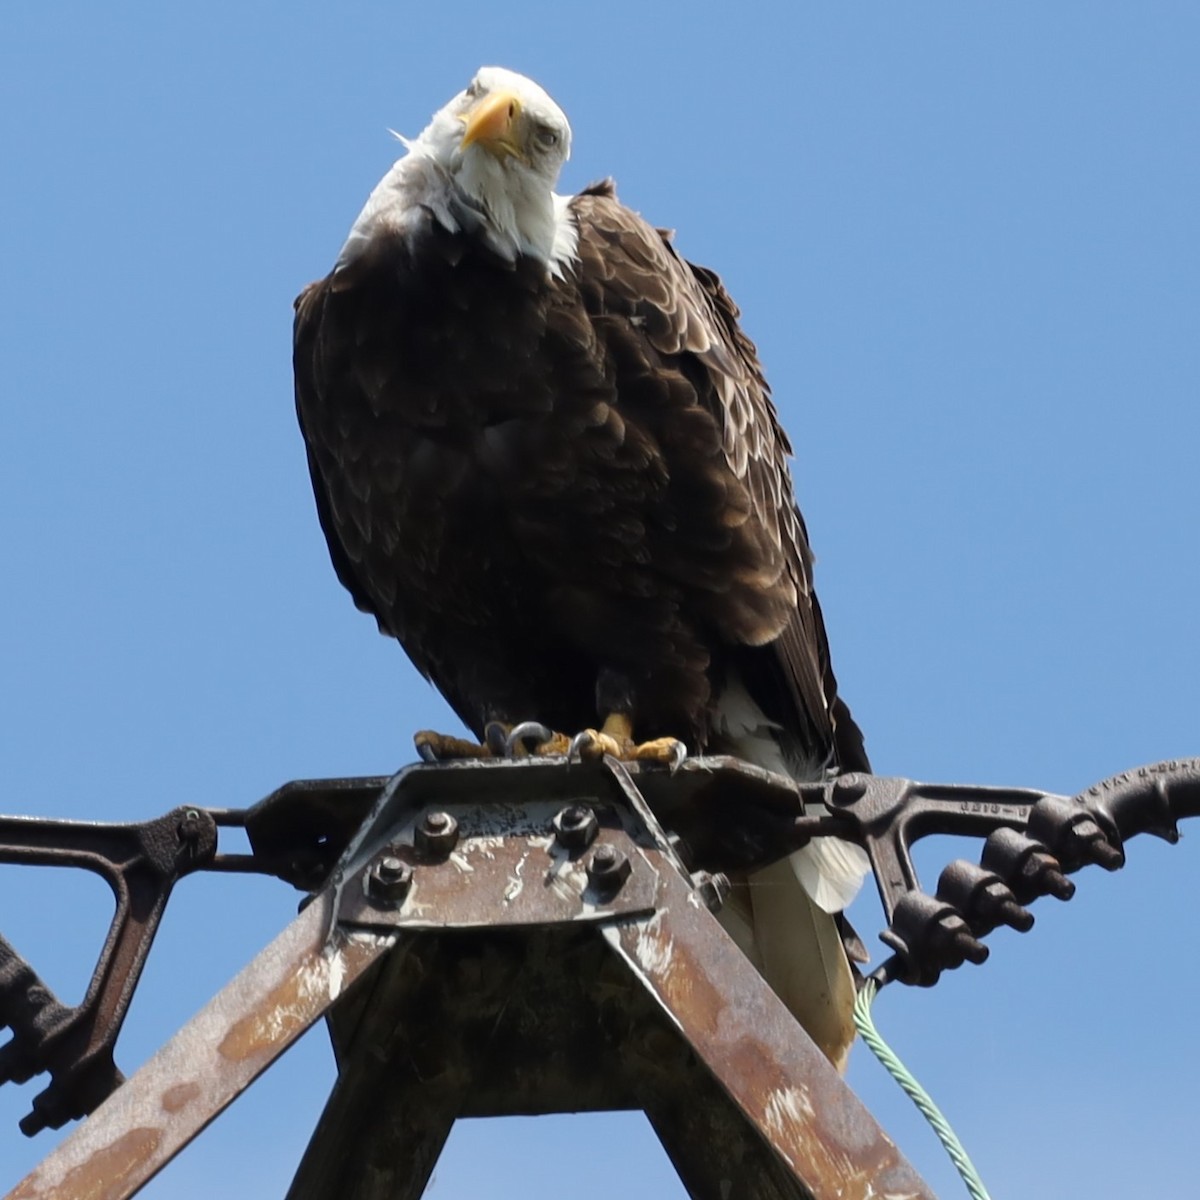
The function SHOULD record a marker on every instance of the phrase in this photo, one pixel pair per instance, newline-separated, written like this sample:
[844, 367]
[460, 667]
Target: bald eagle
[545, 459]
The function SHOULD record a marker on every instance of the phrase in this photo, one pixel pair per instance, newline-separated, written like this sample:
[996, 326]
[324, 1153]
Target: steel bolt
[1091, 846]
[712, 889]
[576, 827]
[848, 788]
[964, 943]
[608, 868]
[190, 825]
[996, 904]
[389, 879]
[982, 897]
[1055, 882]
[682, 850]
[437, 833]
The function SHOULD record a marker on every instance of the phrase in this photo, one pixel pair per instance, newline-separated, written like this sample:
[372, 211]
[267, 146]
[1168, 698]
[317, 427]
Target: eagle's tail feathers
[798, 949]
[831, 871]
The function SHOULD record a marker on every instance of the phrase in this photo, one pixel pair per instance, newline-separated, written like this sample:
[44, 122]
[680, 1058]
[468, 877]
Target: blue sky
[964, 238]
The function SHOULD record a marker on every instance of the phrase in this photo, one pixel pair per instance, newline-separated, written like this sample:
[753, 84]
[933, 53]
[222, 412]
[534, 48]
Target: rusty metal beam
[725, 814]
[207, 1065]
[522, 1023]
[388, 1126]
[769, 1067]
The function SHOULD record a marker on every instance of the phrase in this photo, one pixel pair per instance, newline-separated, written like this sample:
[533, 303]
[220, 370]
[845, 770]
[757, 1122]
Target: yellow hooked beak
[491, 123]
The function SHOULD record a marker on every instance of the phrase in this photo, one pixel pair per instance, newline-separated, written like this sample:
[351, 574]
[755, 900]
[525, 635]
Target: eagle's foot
[529, 738]
[616, 739]
[500, 740]
[436, 747]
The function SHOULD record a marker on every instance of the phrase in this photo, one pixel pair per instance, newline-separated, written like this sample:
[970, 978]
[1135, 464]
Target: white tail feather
[782, 916]
[832, 872]
[797, 949]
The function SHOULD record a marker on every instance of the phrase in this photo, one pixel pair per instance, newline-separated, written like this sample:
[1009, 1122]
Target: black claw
[679, 755]
[495, 737]
[578, 744]
[427, 753]
[530, 734]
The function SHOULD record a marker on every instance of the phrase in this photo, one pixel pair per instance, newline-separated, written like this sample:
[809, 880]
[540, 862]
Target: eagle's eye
[545, 137]
[474, 89]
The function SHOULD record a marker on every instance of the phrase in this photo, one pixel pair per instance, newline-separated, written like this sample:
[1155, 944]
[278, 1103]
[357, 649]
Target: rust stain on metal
[103, 1176]
[281, 1016]
[683, 984]
[179, 1096]
[287, 1009]
[208, 1063]
[508, 869]
[771, 1070]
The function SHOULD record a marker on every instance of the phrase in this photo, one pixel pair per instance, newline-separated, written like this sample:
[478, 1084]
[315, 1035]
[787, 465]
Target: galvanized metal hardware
[1033, 841]
[983, 898]
[508, 866]
[712, 889]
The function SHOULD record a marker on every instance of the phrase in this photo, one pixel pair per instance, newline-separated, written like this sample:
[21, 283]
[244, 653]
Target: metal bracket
[141, 864]
[1033, 841]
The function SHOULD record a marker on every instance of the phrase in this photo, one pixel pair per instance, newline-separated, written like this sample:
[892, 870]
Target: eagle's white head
[503, 142]
[498, 148]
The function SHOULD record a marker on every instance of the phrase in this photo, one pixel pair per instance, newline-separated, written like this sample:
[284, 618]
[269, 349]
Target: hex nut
[712, 889]
[608, 868]
[576, 827]
[389, 880]
[436, 834]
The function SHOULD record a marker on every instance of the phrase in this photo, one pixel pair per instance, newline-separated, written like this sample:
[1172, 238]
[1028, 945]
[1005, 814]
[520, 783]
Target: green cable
[916, 1093]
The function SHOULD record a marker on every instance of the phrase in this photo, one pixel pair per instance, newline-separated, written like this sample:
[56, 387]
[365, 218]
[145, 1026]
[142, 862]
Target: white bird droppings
[788, 1110]
[654, 949]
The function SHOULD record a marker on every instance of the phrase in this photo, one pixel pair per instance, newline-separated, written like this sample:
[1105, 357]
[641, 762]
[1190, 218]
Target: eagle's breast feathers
[590, 460]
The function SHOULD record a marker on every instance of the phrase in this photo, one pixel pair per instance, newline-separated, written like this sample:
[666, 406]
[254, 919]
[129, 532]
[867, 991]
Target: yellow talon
[615, 737]
[499, 742]
[434, 747]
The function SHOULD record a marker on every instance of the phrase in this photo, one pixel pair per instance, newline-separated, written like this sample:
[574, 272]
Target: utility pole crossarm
[547, 949]
[546, 927]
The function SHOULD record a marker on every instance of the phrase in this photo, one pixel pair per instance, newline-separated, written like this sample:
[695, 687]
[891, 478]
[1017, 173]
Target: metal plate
[507, 869]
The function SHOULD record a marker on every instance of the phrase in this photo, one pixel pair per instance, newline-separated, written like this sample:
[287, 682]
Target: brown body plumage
[546, 488]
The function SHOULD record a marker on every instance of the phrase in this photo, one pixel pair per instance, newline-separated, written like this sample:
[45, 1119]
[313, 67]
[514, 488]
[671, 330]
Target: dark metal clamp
[1033, 841]
[141, 864]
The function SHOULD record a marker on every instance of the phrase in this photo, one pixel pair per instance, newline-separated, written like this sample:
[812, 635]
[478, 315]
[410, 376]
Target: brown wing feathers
[766, 612]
